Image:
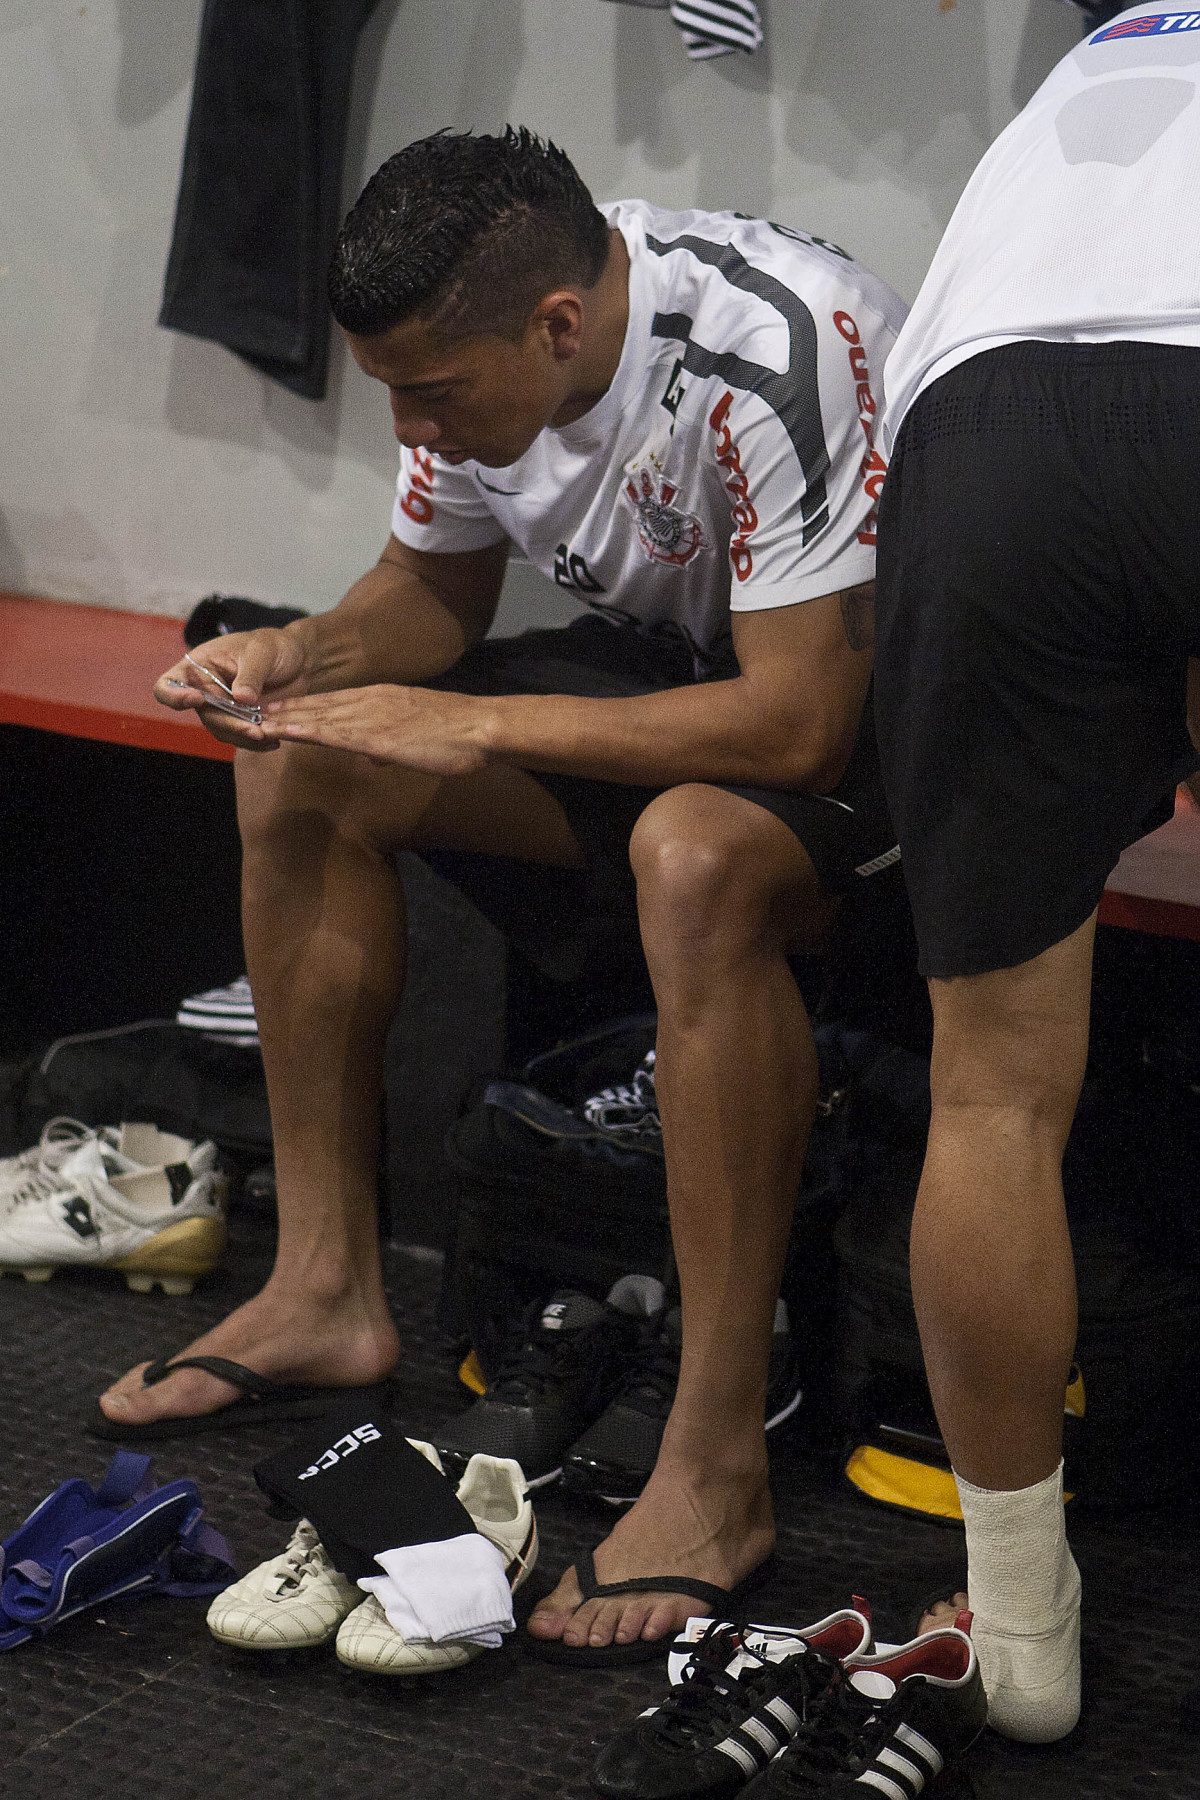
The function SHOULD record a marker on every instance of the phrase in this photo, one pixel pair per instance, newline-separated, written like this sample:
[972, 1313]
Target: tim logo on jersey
[1149, 25]
[666, 533]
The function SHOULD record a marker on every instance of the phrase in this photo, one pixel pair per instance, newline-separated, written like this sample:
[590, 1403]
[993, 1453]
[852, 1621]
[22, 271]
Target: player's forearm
[389, 627]
[715, 731]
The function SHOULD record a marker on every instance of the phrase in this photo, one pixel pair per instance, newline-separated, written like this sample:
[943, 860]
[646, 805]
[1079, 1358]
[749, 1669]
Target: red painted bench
[88, 671]
[1156, 885]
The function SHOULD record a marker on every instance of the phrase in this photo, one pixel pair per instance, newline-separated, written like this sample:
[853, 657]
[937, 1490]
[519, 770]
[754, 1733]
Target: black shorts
[847, 833]
[1037, 598]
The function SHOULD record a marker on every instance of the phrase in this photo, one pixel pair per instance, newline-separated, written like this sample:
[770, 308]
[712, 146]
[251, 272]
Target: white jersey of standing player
[731, 462]
[1080, 223]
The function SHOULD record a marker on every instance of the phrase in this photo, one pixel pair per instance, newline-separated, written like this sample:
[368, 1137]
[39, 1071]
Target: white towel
[454, 1590]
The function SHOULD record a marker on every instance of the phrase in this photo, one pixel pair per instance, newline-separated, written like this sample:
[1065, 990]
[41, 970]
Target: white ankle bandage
[1024, 1591]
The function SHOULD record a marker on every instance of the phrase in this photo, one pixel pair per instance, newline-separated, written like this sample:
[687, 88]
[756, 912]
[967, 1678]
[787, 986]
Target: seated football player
[671, 415]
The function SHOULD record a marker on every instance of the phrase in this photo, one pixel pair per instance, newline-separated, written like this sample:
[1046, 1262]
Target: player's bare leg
[724, 890]
[324, 925]
[994, 1289]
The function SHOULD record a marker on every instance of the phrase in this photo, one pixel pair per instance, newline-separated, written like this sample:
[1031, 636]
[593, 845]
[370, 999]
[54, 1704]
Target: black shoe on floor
[563, 1366]
[219, 614]
[890, 1725]
[613, 1459]
[741, 1696]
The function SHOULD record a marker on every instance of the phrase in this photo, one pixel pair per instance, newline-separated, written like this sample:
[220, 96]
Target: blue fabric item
[82, 1546]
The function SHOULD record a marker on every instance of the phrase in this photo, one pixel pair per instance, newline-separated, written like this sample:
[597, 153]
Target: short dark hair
[468, 232]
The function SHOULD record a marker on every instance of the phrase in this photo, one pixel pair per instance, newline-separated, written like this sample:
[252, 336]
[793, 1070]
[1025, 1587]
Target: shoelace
[527, 1369]
[37, 1188]
[60, 1138]
[303, 1559]
[837, 1738]
[709, 1702]
[628, 1108]
[653, 1378]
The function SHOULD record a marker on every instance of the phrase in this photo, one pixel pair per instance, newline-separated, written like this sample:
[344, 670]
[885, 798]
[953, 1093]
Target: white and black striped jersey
[1079, 225]
[712, 27]
[731, 462]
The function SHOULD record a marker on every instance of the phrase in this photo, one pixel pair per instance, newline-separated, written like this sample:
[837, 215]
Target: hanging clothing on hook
[260, 194]
[712, 27]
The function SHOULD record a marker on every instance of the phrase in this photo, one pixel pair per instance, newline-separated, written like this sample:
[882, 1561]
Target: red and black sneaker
[888, 1725]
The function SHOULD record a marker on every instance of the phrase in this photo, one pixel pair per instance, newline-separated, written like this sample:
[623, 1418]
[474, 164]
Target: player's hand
[417, 728]
[257, 665]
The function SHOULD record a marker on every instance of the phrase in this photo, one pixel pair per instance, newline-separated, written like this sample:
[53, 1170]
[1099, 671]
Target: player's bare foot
[342, 1343]
[707, 1527]
[942, 1613]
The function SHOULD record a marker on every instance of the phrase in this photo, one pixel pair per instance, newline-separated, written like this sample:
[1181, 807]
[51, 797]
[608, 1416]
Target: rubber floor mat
[137, 1697]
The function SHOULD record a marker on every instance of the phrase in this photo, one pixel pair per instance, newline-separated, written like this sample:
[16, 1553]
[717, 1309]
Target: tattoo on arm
[858, 616]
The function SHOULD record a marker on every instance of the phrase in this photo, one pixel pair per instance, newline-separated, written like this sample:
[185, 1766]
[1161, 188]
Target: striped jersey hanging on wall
[712, 27]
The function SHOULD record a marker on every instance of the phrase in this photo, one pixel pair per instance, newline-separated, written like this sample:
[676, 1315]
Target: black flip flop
[263, 1402]
[720, 1603]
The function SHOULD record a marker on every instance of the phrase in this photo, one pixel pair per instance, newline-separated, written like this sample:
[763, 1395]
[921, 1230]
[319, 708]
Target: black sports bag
[539, 1200]
[543, 1200]
[157, 1072]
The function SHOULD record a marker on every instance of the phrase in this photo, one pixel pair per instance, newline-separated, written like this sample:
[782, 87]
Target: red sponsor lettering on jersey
[416, 503]
[745, 518]
[873, 469]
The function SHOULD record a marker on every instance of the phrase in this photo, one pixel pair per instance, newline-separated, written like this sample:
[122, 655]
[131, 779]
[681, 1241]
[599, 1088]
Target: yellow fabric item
[901, 1481]
[1075, 1404]
[471, 1375]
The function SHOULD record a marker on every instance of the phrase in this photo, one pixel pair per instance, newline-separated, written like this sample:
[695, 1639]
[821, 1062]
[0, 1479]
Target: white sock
[453, 1591]
[1024, 1589]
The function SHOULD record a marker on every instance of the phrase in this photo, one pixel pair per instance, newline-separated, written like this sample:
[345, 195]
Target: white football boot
[296, 1601]
[494, 1493]
[150, 1205]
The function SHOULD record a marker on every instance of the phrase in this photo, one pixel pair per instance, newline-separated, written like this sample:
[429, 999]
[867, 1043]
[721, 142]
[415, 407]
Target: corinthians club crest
[666, 533]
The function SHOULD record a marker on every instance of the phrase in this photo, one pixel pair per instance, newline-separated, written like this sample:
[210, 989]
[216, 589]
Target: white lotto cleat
[138, 1200]
[296, 1601]
[493, 1491]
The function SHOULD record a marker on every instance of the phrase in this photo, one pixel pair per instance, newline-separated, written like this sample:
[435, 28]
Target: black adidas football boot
[613, 1459]
[564, 1364]
[741, 1696]
[889, 1725]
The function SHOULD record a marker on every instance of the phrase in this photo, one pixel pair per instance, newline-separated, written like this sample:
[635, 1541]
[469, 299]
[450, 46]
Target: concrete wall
[141, 469]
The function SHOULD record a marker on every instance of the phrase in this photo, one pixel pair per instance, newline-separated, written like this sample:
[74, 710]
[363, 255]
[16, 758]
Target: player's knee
[1026, 1096]
[694, 860]
[306, 789]
[1010, 1048]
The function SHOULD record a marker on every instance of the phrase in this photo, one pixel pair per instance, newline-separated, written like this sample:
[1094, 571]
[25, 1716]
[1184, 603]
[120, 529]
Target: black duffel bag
[159, 1073]
[542, 1201]
[545, 1200]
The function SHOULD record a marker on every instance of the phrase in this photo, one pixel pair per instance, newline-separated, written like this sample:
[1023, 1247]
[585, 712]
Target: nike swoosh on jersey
[496, 490]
